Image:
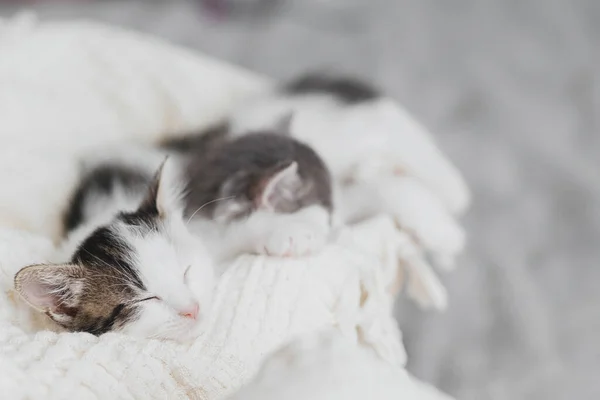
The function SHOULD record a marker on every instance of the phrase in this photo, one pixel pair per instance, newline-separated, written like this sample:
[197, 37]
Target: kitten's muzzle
[191, 312]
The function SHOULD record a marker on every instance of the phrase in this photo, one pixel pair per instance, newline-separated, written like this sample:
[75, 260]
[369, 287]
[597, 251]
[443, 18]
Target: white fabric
[328, 366]
[67, 87]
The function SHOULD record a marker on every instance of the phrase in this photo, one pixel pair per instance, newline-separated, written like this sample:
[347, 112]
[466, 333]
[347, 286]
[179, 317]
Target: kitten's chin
[186, 333]
[187, 337]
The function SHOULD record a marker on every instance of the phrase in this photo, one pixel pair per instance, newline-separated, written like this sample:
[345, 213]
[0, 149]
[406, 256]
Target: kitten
[378, 137]
[263, 192]
[135, 269]
[385, 152]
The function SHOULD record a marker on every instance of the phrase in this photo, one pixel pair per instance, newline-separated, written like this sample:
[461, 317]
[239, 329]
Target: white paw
[295, 240]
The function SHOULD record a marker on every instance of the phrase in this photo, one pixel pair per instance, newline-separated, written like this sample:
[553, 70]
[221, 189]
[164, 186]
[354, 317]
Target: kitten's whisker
[119, 285]
[101, 260]
[167, 330]
[205, 204]
[126, 276]
[120, 279]
[122, 270]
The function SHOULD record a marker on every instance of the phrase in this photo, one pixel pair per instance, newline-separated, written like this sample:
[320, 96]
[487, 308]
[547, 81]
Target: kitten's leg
[299, 234]
[302, 233]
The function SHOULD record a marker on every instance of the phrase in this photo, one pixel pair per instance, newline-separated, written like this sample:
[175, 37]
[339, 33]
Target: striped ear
[164, 196]
[51, 288]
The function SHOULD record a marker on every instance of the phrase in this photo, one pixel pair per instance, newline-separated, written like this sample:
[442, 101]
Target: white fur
[301, 233]
[162, 260]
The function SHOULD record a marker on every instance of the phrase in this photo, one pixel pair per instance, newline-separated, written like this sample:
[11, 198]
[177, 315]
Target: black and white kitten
[131, 263]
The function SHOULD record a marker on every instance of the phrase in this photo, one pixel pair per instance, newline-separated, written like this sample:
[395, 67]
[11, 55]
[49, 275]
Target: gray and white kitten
[263, 192]
[360, 132]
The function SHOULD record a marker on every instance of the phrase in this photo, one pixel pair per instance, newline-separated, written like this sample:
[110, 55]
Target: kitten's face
[143, 274]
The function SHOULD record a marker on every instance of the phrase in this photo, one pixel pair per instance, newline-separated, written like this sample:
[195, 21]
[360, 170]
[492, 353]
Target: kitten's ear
[51, 288]
[281, 187]
[165, 192]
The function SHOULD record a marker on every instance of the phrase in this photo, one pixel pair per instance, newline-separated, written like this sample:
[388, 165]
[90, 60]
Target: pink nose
[191, 312]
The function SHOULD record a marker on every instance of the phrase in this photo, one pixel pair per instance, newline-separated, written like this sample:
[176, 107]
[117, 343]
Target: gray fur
[238, 170]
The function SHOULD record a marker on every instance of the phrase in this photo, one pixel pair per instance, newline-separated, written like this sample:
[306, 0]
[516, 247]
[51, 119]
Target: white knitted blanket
[67, 87]
[260, 304]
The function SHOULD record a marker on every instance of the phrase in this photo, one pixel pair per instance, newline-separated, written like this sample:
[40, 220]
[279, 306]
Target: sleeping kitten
[378, 137]
[135, 267]
[263, 192]
[382, 147]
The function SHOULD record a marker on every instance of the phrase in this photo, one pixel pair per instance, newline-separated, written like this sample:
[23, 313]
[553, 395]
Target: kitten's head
[271, 172]
[143, 274]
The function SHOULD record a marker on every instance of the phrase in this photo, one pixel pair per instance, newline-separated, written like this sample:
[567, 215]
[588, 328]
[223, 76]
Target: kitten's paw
[294, 241]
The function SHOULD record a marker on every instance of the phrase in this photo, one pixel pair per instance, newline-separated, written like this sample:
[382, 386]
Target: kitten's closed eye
[149, 298]
[185, 274]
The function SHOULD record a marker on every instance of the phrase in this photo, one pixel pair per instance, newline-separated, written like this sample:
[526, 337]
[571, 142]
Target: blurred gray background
[511, 90]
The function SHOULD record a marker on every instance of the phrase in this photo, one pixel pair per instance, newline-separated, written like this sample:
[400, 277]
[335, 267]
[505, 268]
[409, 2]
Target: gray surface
[511, 90]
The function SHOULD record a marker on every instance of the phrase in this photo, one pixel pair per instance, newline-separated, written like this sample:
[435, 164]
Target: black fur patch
[119, 315]
[145, 219]
[147, 214]
[98, 326]
[346, 89]
[104, 251]
[101, 180]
